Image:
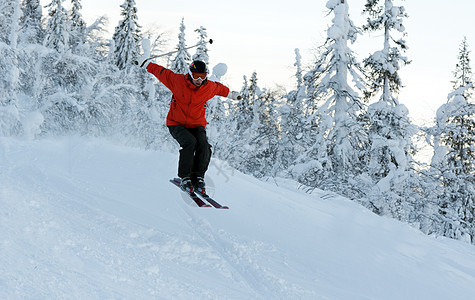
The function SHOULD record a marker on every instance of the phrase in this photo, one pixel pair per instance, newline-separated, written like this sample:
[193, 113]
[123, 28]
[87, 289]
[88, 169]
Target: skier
[186, 117]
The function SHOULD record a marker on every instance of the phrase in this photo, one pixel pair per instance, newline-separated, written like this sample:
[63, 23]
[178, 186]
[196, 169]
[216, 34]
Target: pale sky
[261, 36]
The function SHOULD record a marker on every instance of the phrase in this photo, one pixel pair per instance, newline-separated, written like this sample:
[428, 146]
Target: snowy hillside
[85, 219]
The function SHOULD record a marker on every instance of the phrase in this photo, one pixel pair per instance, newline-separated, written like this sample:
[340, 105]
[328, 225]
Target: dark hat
[198, 66]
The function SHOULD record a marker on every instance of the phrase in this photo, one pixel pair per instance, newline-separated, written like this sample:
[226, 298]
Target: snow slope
[86, 219]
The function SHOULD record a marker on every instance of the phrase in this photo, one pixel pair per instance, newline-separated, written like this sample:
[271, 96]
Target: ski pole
[171, 52]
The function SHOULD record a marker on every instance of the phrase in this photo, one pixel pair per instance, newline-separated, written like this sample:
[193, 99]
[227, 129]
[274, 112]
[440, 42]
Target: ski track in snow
[244, 267]
[84, 219]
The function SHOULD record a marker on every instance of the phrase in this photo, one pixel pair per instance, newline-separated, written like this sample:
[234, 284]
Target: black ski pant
[195, 152]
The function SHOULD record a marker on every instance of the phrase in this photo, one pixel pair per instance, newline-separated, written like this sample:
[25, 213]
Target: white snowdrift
[85, 219]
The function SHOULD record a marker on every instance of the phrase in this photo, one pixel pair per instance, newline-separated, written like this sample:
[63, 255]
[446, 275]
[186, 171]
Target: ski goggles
[196, 76]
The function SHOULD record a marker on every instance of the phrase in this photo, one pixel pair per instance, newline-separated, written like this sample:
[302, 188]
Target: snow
[87, 219]
[31, 124]
[445, 111]
[219, 71]
[331, 4]
[146, 47]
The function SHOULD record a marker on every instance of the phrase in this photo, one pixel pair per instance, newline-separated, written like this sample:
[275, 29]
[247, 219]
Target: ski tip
[224, 207]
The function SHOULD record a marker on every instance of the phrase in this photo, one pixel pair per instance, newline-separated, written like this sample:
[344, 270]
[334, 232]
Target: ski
[210, 200]
[198, 200]
[193, 196]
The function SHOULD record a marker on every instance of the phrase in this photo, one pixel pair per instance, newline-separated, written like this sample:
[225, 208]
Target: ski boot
[186, 185]
[199, 185]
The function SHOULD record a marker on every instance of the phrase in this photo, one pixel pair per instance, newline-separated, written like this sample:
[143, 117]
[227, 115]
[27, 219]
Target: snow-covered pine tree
[383, 65]
[254, 95]
[9, 81]
[262, 150]
[463, 72]
[126, 36]
[10, 13]
[393, 181]
[58, 28]
[78, 25]
[79, 93]
[336, 157]
[30, 22]
[226, 147]
[453, 162]
[240, 120]
[252, 131]
[294, 124]
[202, 50]
[393, 186]
[245, 107]
[182, 59]
[6, 12]
[15, 24]
[9, 113]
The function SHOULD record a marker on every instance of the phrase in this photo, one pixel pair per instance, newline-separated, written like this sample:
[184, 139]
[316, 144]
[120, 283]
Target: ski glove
[143, 61]
[234, 96]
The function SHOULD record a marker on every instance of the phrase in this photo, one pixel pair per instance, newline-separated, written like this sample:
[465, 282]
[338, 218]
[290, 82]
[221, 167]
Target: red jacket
[188, 105]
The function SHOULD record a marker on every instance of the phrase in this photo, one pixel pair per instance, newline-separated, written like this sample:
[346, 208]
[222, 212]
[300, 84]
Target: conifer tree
[244, 108]
[30, 22]
[10, 13]
[335, 158]
[295, 124]
[383, 65]
[254, 95]
[463, 72]
[6, 12]
[262, 143]
[126, 36]
[78, 25]
[453, 162]
[202, 49]
[9, 80]
[228, 145]
[242, 116]
[58, 29]
[9, 113]
[15, 25]
[182, 59]
[390, 163]
[453, 166]
[246, 114]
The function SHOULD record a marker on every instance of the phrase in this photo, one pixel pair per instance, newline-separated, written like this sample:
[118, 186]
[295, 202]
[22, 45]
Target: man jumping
[186, 118]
